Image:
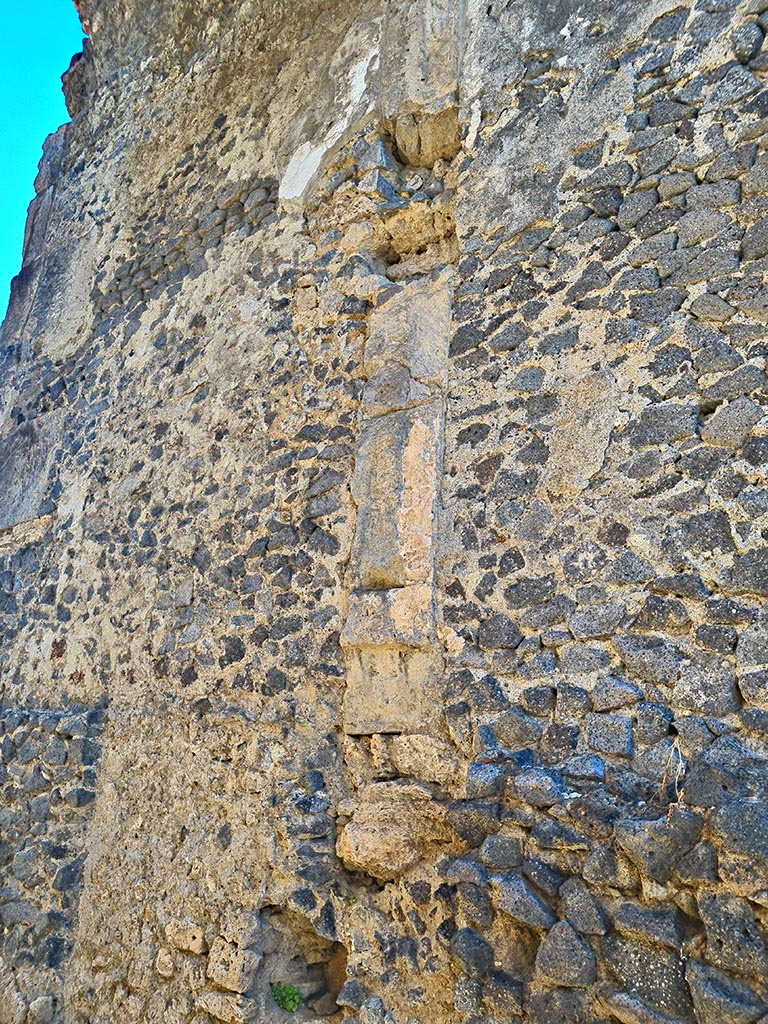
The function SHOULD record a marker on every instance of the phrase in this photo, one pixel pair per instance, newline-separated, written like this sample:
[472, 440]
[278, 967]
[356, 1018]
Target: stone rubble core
[383, 520]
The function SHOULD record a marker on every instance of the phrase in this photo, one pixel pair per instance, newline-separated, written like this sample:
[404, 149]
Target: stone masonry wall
[383, 520]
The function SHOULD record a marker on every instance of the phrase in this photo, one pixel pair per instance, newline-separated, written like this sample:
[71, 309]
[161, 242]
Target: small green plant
[286, 996]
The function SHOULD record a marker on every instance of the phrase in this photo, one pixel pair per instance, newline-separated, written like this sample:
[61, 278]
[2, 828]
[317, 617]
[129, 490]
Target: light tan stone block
[412, 327]
[394, 486]
[402, 617]
[232, 1009]
[391, 829]
[231, 967]
[390, 689]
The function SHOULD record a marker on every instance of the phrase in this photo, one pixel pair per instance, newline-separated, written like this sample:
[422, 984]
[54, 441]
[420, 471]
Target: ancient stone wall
[383, 520]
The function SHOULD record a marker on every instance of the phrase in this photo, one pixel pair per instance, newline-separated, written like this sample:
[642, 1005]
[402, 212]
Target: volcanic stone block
[734, 940]
[564, 958]
[719, 999]
[513, 895]
[474, 954]
[654, 846]
[581, 908]
[27, 457]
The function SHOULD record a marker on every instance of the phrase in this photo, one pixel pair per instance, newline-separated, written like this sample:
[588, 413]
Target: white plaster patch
[306, 161]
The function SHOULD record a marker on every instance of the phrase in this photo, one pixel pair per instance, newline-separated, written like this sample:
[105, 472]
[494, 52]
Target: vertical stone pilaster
[419, 79]
[389, 638]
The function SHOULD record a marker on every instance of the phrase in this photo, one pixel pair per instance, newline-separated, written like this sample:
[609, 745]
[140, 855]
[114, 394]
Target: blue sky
[36, 46]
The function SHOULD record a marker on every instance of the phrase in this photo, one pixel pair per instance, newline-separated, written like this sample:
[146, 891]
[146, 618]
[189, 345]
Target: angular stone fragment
[611, 693]
[392, 827]
[596, 621]
[651, 974]
[581, 908]
[752, 650]
[499, 632]
[515, 897]
[727, 770]
[474, 954]
[720, 999]
[755, 242]
[610, 734]
[654, 846]
[515, 729]
[707, 685]
[661, 926]
[737, 85]
[664, 423]
[749, 574]
[629, 1010]
[564, 958]
[734, 940]
[538, 787]
[731, 424]
[651, 659]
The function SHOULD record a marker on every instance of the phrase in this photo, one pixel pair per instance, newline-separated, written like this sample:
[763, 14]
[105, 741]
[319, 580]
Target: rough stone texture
[383, 519]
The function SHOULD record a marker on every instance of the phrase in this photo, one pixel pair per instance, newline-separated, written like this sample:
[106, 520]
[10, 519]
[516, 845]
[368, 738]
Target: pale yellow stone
[186, 936]
[425, 758]
[232, 1009]
[392, 828]
[231, 967]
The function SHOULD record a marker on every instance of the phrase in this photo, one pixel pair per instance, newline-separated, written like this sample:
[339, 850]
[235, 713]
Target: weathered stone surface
[391, 829]
[565, 959]
[382, 537]
[717, 997]
[734, 940]
[655, 845]
[515, 897]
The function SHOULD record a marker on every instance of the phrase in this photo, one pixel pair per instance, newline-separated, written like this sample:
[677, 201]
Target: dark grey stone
[654, 660]
[485, 780]
[726, 770]
[611, 693]
[659, 926]
[503, 994]
[515, 729]
[581, 909]
[534, 590]
[595, 621]
[707, 684]
[698, 865]
[500, 853]
[564, 958]
[665, 422]
[734, 940]
[539, 787]
[654, 846]
[713, 197]
[499, 632]
[719, 999]
[473, 953]
[654, 975]
[749, 574]
[610, 734]
[515, 897]
[653, 722]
